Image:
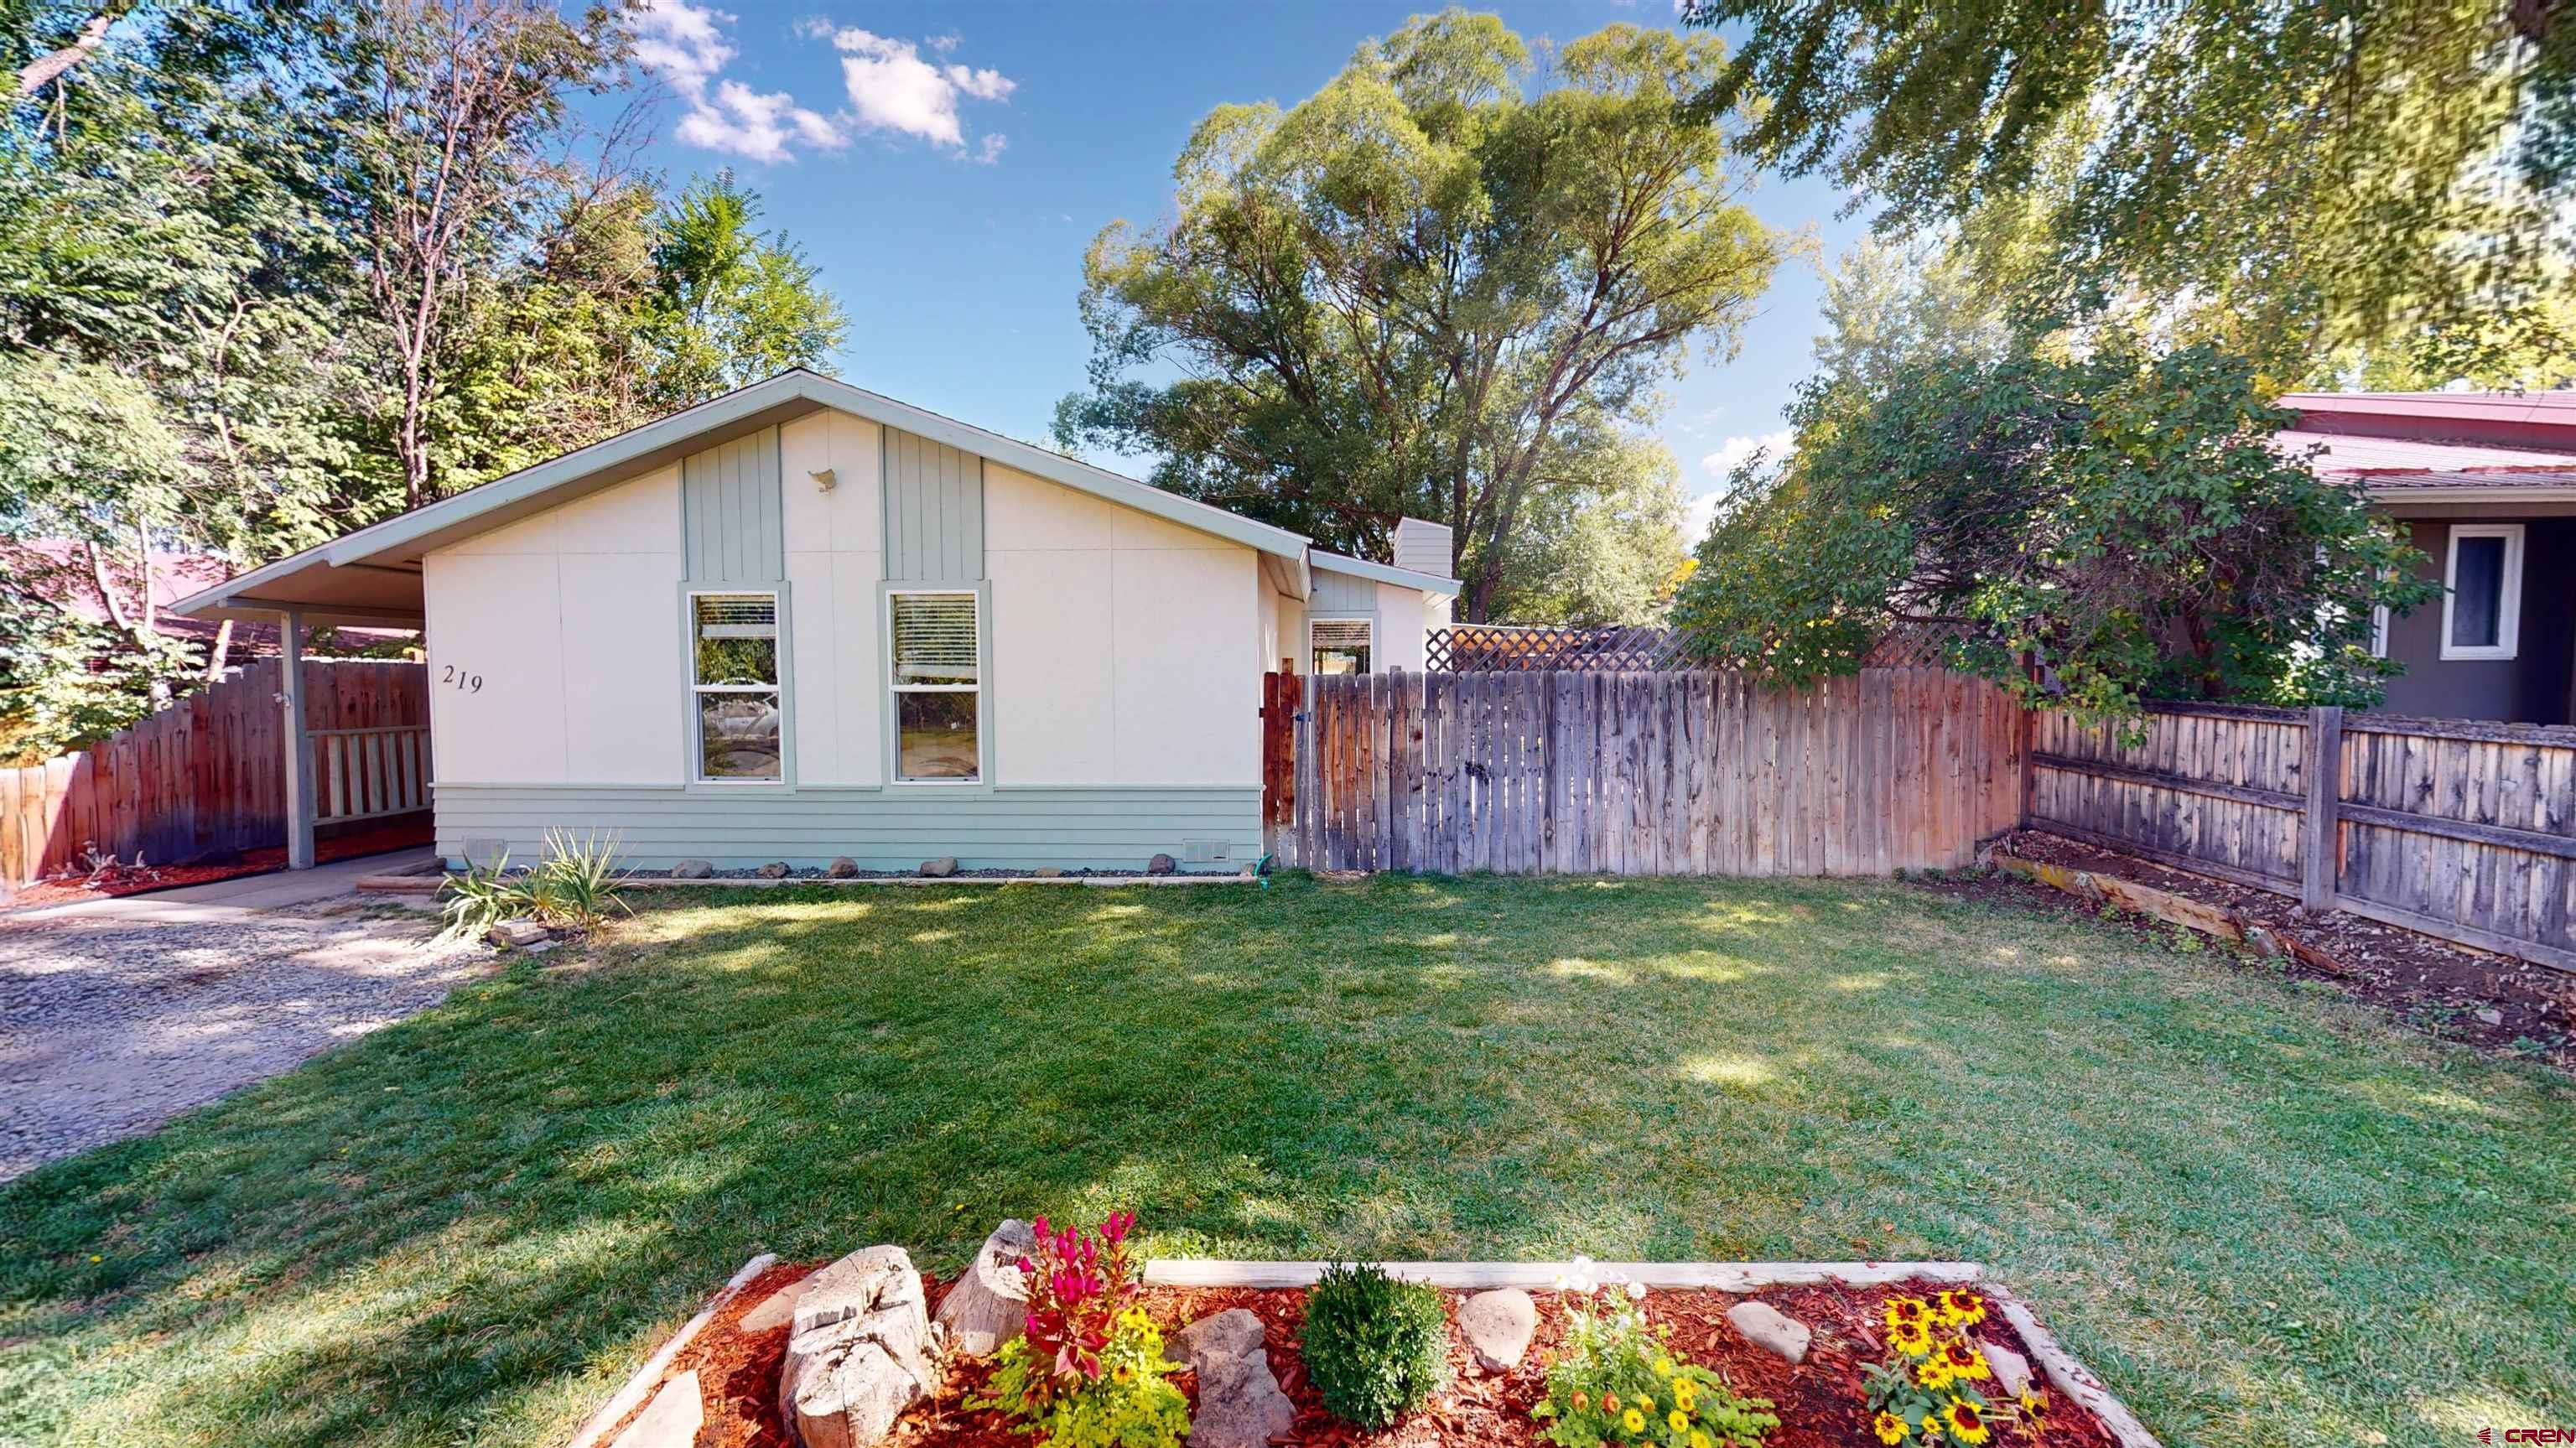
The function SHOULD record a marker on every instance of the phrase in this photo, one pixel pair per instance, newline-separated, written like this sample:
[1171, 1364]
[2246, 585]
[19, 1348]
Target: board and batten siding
[731, 512]
[934, 511]
[1100, 827]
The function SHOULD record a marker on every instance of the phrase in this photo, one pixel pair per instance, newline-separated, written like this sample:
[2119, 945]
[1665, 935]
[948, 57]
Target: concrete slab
[240, 898]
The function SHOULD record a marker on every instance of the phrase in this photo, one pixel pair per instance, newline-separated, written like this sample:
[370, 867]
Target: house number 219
[470, 683]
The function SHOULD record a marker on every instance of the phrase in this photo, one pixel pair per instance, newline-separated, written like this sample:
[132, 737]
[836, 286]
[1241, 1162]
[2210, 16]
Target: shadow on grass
[2235, 1198]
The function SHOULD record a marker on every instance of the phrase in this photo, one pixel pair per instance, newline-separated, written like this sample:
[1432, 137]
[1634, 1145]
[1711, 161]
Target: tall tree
[2295, 175]
[731, 304]
[2122, 520]
[1437, 287]
[458, 139]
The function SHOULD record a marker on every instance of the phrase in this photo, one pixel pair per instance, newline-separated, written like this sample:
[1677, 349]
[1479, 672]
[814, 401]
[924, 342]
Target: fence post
[2319, 837]
[299, 748]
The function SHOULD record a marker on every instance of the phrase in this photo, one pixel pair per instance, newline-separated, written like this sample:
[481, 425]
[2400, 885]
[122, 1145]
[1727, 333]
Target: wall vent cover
[1202, 852]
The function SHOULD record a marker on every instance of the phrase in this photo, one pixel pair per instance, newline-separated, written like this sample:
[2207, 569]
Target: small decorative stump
[861, 1352]
[990, 1304]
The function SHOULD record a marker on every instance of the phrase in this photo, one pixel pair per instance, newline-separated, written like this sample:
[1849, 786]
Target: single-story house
[2485, 484]
[803, 621]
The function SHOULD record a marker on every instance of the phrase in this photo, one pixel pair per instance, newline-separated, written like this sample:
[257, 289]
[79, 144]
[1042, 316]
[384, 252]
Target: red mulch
[1819, 1402]
[402, 834]
[2496, 1004]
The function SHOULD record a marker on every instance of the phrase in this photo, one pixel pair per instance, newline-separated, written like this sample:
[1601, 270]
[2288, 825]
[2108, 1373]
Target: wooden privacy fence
[2466, 831]
[209, 772]
[1662, 773]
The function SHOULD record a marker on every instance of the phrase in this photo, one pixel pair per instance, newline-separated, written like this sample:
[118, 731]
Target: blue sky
[946, 165]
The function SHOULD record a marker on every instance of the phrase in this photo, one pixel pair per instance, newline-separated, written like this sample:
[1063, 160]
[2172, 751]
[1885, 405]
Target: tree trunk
[44, 70]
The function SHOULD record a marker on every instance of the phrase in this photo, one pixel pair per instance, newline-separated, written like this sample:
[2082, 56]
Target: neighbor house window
[938, 686]
[734, 677]
[2482, 607]
[1341, 645]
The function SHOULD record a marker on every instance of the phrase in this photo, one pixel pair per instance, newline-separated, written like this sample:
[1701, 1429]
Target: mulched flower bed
[2458, 994]
[1819, 1402]
[403, 834]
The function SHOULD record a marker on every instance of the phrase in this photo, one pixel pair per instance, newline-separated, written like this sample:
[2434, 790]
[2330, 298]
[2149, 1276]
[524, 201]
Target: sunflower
[1965, 1422]
[1962, 1308]
[1907, 1309]
[2034, 1406]
[1633, 1421]
[1891, 1428]
[1964, 1361]
[1914, 1339]
[1933, 1373]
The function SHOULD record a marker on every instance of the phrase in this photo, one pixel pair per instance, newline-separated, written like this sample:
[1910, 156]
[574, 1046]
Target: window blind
[1341, 633]
[934, 639]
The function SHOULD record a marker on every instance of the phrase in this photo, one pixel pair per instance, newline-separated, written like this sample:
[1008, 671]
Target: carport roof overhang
[372, 576]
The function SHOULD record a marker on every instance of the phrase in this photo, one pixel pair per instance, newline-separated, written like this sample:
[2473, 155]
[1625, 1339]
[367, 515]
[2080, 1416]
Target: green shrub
[573, 886]
[1375, 1347]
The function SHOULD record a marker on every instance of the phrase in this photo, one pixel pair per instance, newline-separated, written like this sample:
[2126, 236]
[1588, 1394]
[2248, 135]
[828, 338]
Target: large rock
[941, 868]
[862, 1351]
[774, 870]
[1771, 1330]
[671, 1420]
[2012, 1370]
[990, 1303]
[1497, 1327]
[841, 868]
[1235, 1331]
[517, 932]
[1161, 865]
[1240, 1405]
[693, 870]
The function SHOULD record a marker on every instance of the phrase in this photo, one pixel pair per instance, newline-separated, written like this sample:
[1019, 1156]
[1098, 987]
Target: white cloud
[1732, 453]
[685, 45]
[893, 89]
[990, 150]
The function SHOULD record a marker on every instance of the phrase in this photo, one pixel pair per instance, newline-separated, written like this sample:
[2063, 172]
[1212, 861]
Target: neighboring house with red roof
[2485, 484]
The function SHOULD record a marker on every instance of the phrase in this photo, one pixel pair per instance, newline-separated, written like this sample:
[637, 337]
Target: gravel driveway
[109, 1027]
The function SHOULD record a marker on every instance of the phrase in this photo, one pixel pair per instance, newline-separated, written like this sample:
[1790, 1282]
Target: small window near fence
[2482, 612]
[1340, 645]
[938, 684]
[734, 680]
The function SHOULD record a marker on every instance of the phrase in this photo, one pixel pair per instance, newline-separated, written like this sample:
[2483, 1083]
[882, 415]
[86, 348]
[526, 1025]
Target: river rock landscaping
[852, 1353]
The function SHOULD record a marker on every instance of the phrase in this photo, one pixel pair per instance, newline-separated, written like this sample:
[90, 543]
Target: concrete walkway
[240, 898]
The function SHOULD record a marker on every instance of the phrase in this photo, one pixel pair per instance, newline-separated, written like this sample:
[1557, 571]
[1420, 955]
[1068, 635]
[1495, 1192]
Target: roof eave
[1385, 573]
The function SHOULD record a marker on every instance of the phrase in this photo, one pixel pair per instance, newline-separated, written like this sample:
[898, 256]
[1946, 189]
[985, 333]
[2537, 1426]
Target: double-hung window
[938, 684]
[1339, 645]
[734, 682]
[2482, 604]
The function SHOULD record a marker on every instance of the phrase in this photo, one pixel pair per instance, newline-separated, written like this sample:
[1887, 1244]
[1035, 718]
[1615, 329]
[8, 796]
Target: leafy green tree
[1435, 288]
[2285, 174]
[730, 304]
[2121, 522]
[1602, 547]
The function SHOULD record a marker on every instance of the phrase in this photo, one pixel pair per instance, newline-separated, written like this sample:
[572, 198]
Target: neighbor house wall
[1121, 706]
[2533, 686]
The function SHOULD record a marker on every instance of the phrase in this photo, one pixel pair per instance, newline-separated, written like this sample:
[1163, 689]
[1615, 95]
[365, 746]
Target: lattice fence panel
[1489, 648]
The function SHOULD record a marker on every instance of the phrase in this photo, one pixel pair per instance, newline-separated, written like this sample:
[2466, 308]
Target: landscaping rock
[1161, 865]
[1497, 1327]
[862, 1351]
[671, 1420]
[2265, 943]
[1235, 1331]
[940, 869]
[693, 870]
[2012, 1370]
[776, 1310]
[1767, 1328]
[1240, 1405]
[1048, 872]
[2490, 1016]
[774, 870]
[517, 932]
[841, 868]
[990, 1303]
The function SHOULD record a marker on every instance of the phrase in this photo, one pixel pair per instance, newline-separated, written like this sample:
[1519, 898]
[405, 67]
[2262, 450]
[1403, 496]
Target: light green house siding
[729, 512]
[1117, 827]
[934, 511]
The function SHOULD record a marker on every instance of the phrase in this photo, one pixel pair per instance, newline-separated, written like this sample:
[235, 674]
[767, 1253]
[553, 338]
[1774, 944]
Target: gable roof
[372, 574]
[1384, 573]
[2440, 446]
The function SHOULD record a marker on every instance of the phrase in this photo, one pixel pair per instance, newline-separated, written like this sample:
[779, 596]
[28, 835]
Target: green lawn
[2265, 1217]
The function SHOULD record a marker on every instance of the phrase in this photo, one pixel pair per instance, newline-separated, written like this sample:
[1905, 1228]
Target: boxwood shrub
[1375, 1347]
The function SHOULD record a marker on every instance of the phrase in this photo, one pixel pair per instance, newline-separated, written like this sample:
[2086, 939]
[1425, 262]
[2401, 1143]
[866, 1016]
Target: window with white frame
[1339, 645]
[938, 683]
[2482, 597]
[734, 682]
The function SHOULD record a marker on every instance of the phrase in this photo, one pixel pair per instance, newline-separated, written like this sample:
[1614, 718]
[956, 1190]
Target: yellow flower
[1633, 1421]
[1914, 1339]
[1907, 1309]
[1964, 1361]
[1698, 1439]
[1679, 1420]
[1685, 1396]
[1646, 1406]
[1663, 1367]
[1964, 1421]
[1933, 1373]
[1962, 1308]
[1932, 1430]
[2034, 1405]
[1891, 1428]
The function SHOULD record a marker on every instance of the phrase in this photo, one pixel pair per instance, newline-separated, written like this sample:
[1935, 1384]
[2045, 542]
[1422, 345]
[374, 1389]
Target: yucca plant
[482, 898]
[575, 884]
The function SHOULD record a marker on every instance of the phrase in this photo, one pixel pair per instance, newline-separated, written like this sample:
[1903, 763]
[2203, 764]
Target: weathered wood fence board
[2461, 830]
[208, 773]
[1664, 773]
